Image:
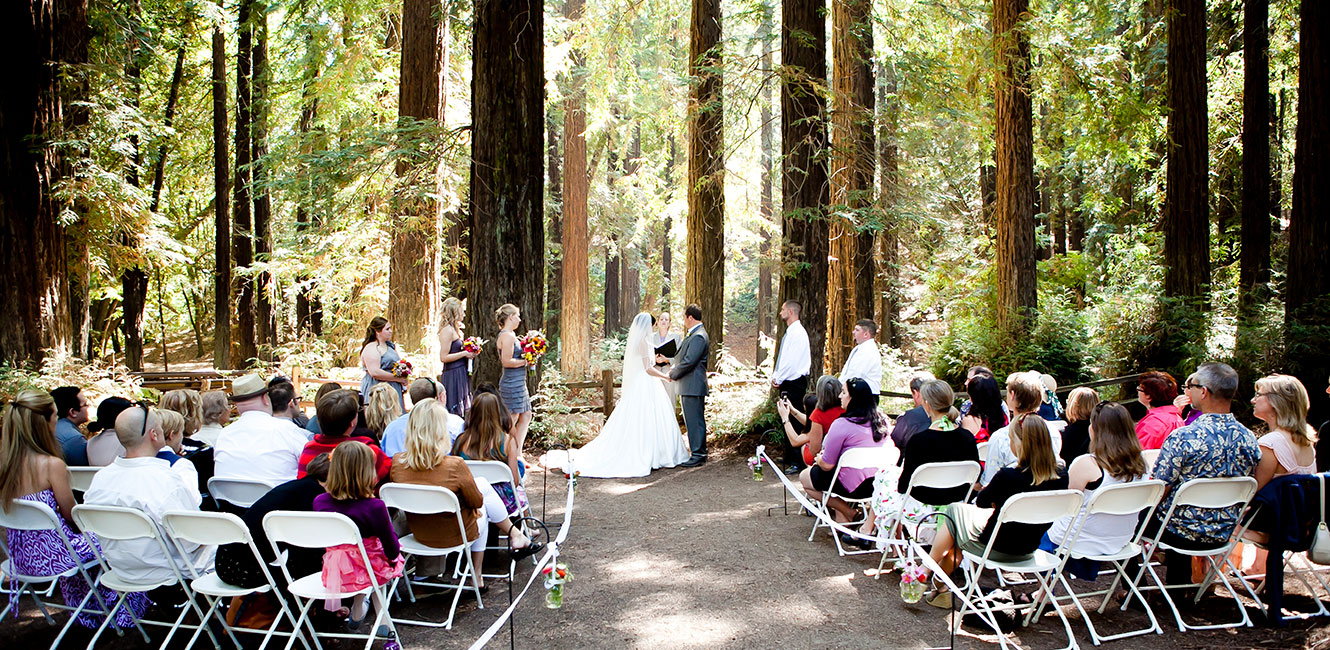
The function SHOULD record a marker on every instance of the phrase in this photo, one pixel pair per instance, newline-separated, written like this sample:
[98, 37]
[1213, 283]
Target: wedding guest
[104, 446]
[188, 403]
[455, 378]
[215, 413]
[338, 412]
[1051, 410]
[916, 419]
[313, 425]
[862, 425]
[394, 436]
[865, 360]
[1156, 392]
[256, 445]
[1076, 435]
[285, 402]
[173, 433]
[378, 355]
[943, 441]
[72, 408]
[660, 337]
[980, 371]
[797, 427]
[235, 563]
[1281, 402]
[825, 411]
[790, 376]
[1185, 409]
[986, 413]
[381, 408]
[512, 384]
[486, 438]
[1024, 395]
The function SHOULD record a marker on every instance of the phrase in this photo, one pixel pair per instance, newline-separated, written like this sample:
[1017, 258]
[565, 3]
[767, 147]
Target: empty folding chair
[216, 529]
[325, 530]
[239, 492]
[126, 524]
[1207, 493]
[37, 516]
[1150, 456]
[937, 476]
[870, 458]
[80, 478]
[434, 500]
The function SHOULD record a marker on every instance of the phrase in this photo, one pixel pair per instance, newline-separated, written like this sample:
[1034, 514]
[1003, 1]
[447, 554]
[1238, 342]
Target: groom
[690, 371]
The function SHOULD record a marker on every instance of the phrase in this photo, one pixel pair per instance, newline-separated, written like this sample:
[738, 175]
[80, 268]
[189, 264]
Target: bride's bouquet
[402, 368]
[533, 345]
[473, 344]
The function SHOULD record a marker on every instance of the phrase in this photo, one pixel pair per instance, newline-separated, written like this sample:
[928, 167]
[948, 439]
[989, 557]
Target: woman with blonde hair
[425, 461]
[1290, 447]
[382, 406]
[455, 380]
[1076, 435]
[188, 403]
[512, 383]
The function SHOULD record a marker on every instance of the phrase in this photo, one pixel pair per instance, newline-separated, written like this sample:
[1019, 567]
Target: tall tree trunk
[159, 168]
[40, 40]
[852, 59]
[242, 244]
[613, 293]
[888, 196]
[1186, 204]
[1076, 213]
[309, 317]
[1254, 257]
[554, 281]
[631, 288]
[263, 289]
[804, 188]
[667, 254]
[221, 344]
[1308, 289]
[575, 358]
[987, 194]
[704, 284]
[134, 275]
[766, 311]
[418, 220]
[507, 196]
[1014, 152]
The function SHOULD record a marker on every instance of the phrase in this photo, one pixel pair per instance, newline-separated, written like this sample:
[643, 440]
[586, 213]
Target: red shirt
[824, 418]
[324, 444]
[1156, 425]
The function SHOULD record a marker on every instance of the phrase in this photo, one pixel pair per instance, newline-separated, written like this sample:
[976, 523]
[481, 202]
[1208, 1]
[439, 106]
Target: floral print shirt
[1215, 446]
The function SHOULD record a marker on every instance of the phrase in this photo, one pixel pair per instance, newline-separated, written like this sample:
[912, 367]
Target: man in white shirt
[144, 482]
[394, 435]
[865, 360]
[256, 445]
[790, 377]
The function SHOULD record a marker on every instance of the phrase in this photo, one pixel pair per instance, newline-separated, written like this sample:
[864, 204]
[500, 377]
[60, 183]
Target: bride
[642, 433]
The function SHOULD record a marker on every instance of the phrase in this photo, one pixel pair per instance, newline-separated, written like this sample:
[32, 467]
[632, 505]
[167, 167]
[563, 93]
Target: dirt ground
[693, 558]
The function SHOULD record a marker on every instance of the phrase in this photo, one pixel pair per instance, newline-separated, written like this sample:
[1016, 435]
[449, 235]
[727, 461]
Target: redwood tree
[704, 283]
[1014, 152]
[260, 79]
[1186, 202]
[242, 244]
[766, 311]
[1254, 257]
[575, 357]
[221, 345]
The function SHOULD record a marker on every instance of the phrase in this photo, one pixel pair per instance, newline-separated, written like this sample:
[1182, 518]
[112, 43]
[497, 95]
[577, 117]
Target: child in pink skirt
[351, 492]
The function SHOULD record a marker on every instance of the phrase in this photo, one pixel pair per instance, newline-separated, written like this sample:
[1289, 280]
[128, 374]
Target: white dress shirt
[104, 448]
[149, 485]
[259, 446]
[865, 362]
[1000, 454]
[795, 358]
[208, 433]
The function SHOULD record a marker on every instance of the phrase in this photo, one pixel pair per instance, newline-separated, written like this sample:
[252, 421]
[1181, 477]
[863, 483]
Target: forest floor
[690, 558]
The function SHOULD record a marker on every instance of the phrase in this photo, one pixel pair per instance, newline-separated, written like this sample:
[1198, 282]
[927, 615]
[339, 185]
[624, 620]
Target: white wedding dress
[642, 434]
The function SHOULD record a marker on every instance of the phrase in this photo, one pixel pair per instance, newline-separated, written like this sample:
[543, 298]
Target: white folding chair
[1029, 508]
[240, 492]
[34, 515]
[127, 524]
[325, 530]
[870, 458]
[1150, 456]
[1212, 494]
[434, 500]
[80, 478]
[937, 476]
[216, 529]
[1126, 500]
[983, 450]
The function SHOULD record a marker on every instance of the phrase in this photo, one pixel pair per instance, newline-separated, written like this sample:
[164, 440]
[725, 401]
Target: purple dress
[456, 382]
[41, 553]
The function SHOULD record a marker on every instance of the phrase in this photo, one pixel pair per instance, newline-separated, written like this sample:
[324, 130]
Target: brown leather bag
[252, 611]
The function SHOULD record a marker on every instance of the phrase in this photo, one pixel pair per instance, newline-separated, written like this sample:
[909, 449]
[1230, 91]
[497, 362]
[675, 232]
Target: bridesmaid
[456, 382]
[512, 384]
[378, 353]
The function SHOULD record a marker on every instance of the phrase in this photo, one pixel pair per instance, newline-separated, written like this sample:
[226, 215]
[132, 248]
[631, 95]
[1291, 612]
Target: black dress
[935, 446]
[235, 563]
[1075, 441]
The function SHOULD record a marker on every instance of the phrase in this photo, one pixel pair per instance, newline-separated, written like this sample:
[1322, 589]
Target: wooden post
[607, 390]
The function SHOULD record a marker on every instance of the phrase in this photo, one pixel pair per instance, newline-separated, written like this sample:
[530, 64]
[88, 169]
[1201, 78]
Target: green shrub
[1059, 343]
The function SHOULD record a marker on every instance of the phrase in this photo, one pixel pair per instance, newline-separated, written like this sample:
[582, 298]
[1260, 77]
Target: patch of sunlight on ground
[662, 625]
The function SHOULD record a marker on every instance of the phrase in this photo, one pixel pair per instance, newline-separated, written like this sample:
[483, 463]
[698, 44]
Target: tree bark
[417, 224]
[613, 294]
[309, 308]
[134, 275]
[1076, 214]
[1186, 203]
[704, 284]
[1014, 258]
[221, 344]
[667, 254]
[263, 289]
[507, 196]
[766, 310]
[241, 243]
[888, 195]
[853, 76]
[804, 188]
[575, 357]
[1254, 258]
[631, 289]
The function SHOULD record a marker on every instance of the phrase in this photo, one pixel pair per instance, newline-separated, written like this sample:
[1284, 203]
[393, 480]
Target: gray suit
[690, 371]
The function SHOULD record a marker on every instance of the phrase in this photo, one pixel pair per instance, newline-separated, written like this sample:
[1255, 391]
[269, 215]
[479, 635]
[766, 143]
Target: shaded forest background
[1084, 188]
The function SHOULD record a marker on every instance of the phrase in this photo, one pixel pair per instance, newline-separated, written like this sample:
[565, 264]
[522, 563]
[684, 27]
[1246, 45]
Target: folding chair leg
[110, 615]
[304, 619]
[981, 607]
[73, 616]
[40, 605]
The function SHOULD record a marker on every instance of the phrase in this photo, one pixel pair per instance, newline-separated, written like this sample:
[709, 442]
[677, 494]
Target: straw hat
[248, 387]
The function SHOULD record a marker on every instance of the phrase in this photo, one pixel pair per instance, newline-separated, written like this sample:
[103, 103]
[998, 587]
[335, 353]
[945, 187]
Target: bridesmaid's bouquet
[402, 368]
[533, 345]
[473, 344]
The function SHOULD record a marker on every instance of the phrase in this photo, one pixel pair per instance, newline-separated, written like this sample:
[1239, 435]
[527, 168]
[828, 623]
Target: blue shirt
[1216, 445]
[72, 443]
[394, 435]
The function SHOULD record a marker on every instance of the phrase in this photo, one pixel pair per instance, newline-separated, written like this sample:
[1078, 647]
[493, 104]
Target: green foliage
[1058, 343]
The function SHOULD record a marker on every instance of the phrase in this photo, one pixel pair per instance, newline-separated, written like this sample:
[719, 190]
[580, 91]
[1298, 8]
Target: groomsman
[865, 360]
[790, 377]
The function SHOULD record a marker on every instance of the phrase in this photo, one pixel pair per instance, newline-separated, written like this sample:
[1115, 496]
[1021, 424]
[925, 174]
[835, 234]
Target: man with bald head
[144, 482]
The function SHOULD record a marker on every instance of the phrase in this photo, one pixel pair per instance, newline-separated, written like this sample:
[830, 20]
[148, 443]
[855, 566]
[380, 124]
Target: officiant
[666, 344]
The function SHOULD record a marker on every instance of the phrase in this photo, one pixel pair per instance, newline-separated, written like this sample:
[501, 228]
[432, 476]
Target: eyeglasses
[144, 405]
[1259, 394]
[1192, 385]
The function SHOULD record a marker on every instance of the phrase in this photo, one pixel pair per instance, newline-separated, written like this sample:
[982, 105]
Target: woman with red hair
[1156, 391]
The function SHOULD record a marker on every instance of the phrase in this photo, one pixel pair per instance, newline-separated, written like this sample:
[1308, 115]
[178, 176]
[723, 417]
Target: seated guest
[987, 413]
[313, 425]
[425, 462]
[1051, 410]
[1281, 402]
[1076, 435]
[1215, 446]
[1114, 457]
[981, 371]
[394, 436]
[862, 425]
[942, 442]
[144, 482]
[1157, 390]
[807, 431]
[382, 406]
[235, 563]
[969, 527]
[285, 402]
[104, 446]
[188, 403]
[337, 411]
[72, 407]
[488, 436]
[257, 446]
[1025, 394]
[215, 413]
[173, 431]
[914, 420]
